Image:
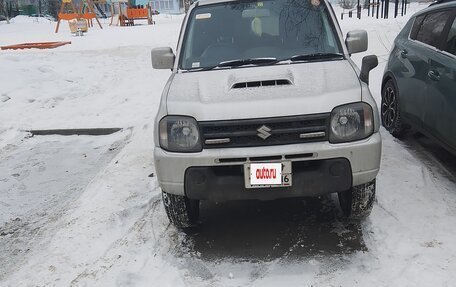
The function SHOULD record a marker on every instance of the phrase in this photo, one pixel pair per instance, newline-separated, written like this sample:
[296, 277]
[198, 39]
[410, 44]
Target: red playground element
[39, 45]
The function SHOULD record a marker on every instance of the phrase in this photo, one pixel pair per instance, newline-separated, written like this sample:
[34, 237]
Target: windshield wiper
[271, 61]
[251, 61]
[316, 56]
[241, 62]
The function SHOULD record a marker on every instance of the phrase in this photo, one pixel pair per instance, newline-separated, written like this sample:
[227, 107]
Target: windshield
[255, 31]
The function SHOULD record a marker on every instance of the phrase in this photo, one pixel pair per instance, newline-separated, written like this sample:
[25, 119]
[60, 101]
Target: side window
[451, 39]
[416, 26]
[432, 27]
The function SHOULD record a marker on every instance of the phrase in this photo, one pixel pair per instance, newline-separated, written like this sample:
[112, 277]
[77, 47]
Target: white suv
[264, 102]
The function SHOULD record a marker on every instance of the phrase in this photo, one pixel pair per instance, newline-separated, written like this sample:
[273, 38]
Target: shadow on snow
[289, 229]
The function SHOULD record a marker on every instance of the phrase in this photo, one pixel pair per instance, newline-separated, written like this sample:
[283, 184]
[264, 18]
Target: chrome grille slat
[276, 131]
[283, 130]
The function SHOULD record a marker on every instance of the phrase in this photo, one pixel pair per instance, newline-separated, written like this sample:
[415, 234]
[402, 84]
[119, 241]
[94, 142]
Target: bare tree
[347, 4]
[52, 7]
[4, 9]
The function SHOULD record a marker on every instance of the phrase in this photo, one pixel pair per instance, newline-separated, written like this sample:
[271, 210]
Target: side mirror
[369, 63]
[356, 41]
[163, 58]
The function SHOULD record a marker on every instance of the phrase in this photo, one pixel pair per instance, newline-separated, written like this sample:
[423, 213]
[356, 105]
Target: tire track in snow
[43, 202]
[136, 233]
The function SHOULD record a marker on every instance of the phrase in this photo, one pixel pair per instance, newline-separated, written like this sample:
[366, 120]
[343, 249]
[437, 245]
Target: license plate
[261, 175]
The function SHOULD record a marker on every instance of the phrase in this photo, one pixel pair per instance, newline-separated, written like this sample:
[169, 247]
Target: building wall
[164, 6]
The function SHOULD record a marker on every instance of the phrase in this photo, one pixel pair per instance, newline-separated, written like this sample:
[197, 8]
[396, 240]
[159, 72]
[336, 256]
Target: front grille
[264, 132]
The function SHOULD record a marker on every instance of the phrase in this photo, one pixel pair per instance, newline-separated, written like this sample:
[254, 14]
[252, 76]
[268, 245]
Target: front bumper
[310, 178]
[363, 157]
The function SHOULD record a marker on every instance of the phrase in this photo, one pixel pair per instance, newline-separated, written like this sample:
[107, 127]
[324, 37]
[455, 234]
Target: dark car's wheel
[391, 114]
[182, 211]
[357, 202]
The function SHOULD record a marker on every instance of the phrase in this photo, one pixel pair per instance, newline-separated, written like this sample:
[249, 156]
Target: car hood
[314, 87]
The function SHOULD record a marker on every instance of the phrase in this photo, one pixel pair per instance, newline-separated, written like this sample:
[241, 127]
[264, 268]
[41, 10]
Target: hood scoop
[254, 84]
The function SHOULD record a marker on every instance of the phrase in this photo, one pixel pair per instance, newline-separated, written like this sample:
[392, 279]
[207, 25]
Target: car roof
[435, 7]
[208, 2]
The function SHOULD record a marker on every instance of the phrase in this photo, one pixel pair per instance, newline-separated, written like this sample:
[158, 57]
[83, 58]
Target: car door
[409, 64]
[440, 104]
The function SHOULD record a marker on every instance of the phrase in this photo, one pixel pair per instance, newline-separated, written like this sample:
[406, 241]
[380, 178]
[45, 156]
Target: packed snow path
[87, 211]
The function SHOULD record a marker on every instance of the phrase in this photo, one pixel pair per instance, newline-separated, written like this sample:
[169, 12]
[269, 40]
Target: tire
[181, 211]
[390, 111]
[357, 202]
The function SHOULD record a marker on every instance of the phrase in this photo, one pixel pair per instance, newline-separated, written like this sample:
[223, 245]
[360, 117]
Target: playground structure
[85, 13]
[126, 15]
[78, 26]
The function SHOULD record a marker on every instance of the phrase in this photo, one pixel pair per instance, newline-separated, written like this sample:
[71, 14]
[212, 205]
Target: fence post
[358, 10]
[386, 9]
[368, 7]
[396, 8]
[378, 7]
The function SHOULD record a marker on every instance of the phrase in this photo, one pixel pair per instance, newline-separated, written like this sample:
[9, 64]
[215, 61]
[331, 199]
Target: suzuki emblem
[264, 132]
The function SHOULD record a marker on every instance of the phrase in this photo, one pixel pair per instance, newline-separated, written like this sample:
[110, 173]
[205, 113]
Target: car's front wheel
[391, 114]
[357, 202]
[182, 211]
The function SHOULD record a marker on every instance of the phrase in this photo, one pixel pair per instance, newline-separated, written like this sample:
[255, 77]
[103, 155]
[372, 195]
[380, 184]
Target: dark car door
[409, 64]
[426, 35]
[440, 104]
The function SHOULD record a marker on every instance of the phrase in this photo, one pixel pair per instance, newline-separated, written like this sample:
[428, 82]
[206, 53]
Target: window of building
[163, 5]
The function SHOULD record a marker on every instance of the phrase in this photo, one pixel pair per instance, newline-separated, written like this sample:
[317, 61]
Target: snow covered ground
[87, 211]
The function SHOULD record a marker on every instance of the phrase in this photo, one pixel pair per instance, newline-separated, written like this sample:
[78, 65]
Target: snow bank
[23, 19]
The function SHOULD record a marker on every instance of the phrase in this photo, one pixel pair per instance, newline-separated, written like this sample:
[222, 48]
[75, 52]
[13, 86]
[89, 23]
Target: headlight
[351, 122]
[179, 134]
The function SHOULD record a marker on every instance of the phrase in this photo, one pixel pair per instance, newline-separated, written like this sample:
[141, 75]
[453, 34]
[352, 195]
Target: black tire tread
[357, 202]
[179, 210]
[363, 197]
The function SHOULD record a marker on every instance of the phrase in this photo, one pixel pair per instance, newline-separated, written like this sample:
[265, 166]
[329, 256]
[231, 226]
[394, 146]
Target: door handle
[434, 75]
[404, 53]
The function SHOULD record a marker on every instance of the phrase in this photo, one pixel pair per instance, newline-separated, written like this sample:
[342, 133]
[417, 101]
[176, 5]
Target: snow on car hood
[315, 88]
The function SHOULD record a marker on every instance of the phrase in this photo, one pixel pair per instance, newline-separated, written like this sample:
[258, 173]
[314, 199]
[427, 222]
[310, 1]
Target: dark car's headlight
[179, 134]
[351, 122]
